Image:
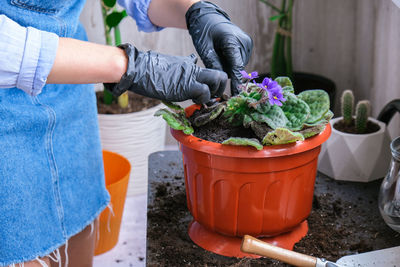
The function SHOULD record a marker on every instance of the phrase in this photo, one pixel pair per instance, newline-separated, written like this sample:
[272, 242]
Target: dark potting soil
[341, 126]
[136, 103]
[219, 130]
[344, 220]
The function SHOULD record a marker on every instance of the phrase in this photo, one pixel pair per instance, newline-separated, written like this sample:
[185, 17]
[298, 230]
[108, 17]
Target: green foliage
[239, 141]
[281, 63]
[284, 81]
[300, 116]
[109, 3]
[210, 114]
[362, 113]
[296, 111]
[177, 121]
[282, 136]
[347, 104]
[318, 101]
[115, 18]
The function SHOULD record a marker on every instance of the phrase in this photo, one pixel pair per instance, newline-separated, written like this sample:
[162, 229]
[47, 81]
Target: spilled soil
[338, 225]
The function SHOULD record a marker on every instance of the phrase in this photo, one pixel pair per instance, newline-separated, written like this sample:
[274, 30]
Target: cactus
[362, 113]
[347, 103]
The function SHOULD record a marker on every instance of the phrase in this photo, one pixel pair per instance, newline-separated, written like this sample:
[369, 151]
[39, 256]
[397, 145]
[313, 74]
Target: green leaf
[247, 120]
[239, 141]
[208, 116]
[274, 118]
[282, 136]
[318, 101]
[115, 18]
[173, 106]
[308, 132]
[284, 81]
[109, 3]
[296, 111]
[277, 17]
[175, 121]
[288, 89]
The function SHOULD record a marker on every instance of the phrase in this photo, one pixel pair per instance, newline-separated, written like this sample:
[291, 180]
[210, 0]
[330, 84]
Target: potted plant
[250, 162]
[281, 61]
[358, 149]
[127, 125]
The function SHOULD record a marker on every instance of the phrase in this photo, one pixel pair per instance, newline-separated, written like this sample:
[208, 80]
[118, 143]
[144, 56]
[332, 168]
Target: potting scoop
[384, 257]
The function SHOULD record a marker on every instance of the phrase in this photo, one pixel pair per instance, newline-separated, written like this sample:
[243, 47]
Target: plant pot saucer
[230, 246]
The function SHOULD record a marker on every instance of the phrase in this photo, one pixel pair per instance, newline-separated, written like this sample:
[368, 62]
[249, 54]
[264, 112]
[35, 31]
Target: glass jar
[389, 195]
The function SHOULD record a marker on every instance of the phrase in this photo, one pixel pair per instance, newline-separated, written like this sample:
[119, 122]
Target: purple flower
[275, 96]
[269, 84]
[251, 75]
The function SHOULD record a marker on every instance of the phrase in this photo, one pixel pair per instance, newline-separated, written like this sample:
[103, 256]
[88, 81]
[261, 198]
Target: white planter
[135, 136]
[356, 157]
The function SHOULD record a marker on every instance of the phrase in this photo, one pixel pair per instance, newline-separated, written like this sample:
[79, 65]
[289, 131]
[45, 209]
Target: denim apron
[51, 169]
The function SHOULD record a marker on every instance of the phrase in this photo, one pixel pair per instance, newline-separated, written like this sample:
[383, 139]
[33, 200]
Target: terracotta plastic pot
[117, 170]
[238, 190]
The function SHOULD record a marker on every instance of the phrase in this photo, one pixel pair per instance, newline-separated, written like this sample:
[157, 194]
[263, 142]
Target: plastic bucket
[117, 170]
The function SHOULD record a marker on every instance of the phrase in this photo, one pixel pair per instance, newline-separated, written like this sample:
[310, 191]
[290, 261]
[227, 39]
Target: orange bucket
[117, 170]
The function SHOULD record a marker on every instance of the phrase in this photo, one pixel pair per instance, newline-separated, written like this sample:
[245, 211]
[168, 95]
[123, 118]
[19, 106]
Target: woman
[51, 174]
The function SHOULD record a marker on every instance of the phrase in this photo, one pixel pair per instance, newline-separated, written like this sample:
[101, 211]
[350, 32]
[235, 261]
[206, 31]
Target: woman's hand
[170, 78]
[220, 43]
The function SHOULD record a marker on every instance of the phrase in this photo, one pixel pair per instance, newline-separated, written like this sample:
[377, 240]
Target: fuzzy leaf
[175, 121]
[115, 18]
[296, 111]
[282, 136]
[173, 106]
[284, 81]
[239, 141]
[260, 129]
[318, 101]
[308, 132]
[247, 120]
[274, 118]
[288, 89]
[209, 116]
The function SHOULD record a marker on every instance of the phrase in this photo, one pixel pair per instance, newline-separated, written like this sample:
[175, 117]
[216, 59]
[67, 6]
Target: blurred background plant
[281, 63]
[112, 17]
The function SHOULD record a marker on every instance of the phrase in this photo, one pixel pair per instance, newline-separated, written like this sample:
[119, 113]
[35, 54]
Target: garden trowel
[384, 257]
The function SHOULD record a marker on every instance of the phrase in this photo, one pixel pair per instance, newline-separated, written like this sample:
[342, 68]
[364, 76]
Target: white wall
[355, 43]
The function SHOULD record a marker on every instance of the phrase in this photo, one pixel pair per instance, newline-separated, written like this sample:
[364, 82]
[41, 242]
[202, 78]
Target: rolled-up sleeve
[26, 56]
[137, 9]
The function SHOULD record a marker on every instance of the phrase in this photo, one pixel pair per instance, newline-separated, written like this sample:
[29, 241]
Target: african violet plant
[270, 109]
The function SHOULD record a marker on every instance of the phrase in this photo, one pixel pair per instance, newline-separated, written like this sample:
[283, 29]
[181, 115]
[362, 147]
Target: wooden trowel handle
[255, 246]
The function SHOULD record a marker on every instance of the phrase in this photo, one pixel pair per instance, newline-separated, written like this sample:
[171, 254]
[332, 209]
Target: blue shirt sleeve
[26, 56]
[137, 9]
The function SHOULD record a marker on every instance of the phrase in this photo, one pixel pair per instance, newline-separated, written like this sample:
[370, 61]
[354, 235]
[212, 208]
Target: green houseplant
[127, 125]
[281, 62]
[267, 160]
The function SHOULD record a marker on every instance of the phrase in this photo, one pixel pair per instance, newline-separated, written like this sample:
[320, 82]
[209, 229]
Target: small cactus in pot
[358, 124]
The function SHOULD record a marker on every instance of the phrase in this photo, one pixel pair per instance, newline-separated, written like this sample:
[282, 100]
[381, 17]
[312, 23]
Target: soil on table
[136, 103]
[337, 227]
[342, 127]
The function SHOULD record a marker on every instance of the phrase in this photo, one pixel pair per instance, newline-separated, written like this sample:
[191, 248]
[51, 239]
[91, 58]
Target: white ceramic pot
[135, 136]
[356, 157]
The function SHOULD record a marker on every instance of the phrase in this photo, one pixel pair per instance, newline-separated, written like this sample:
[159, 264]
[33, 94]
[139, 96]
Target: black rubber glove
[220, 43]
[169, 78]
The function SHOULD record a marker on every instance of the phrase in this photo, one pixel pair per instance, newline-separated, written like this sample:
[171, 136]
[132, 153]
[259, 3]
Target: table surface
[352, 209]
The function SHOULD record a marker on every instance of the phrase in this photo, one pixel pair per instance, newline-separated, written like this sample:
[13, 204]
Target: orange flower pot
[117, 170]
[237, 190]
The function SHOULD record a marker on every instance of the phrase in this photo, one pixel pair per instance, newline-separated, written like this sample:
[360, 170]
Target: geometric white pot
[356, 157]
[135, 136]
